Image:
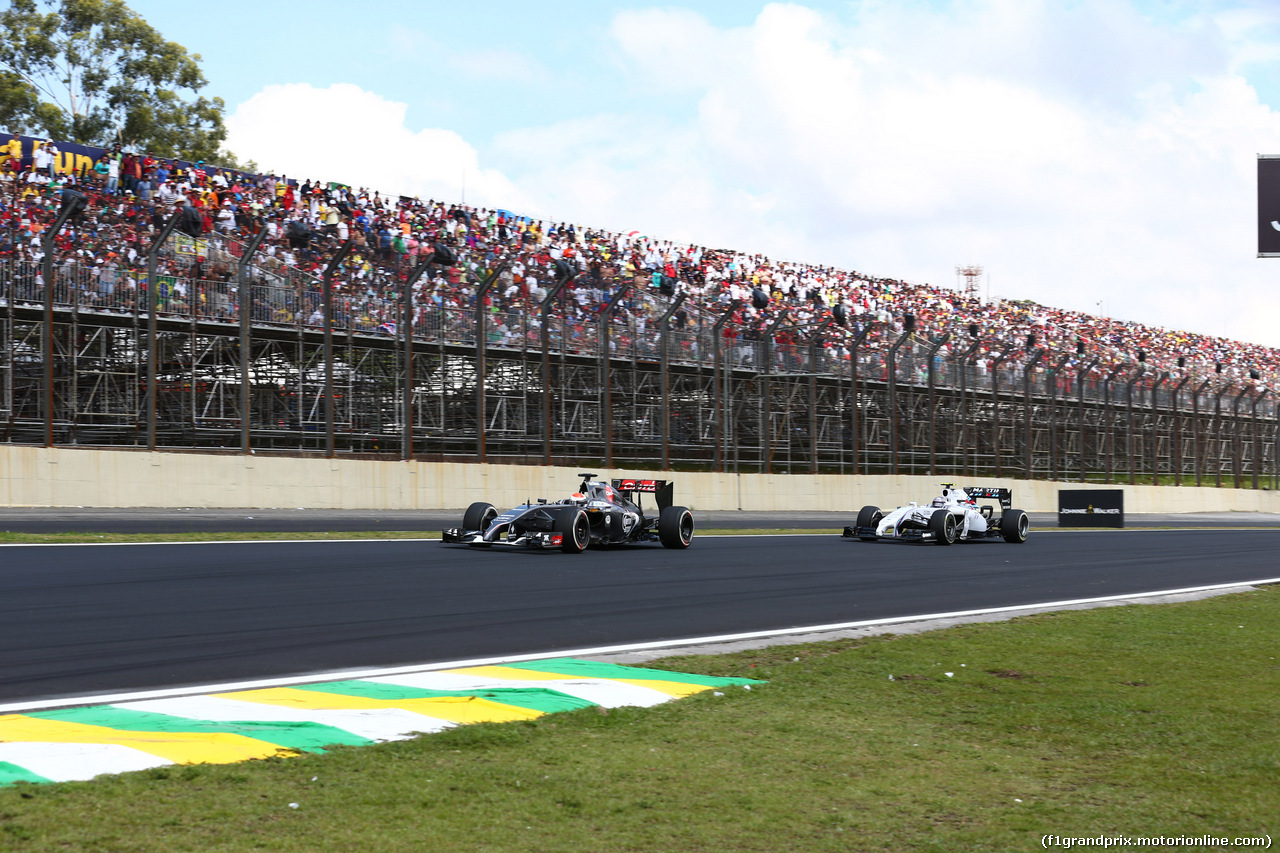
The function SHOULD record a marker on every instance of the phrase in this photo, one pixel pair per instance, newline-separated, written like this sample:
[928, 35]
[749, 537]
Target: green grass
[1137, 720]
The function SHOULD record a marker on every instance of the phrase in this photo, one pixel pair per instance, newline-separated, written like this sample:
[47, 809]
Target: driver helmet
[939, 501]
[578, 498]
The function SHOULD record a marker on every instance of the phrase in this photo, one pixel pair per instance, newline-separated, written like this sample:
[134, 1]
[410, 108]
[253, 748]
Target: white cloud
[1081, 153]
[346, 134]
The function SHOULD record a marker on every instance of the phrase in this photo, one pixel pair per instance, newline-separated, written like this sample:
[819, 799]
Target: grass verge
[1141, 720]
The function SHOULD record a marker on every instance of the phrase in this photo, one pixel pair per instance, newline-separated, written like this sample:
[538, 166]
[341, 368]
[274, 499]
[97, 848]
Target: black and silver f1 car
[951, 517]
[597, 514]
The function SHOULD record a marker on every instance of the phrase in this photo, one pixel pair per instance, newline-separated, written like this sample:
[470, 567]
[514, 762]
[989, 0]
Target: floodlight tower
[972, 274]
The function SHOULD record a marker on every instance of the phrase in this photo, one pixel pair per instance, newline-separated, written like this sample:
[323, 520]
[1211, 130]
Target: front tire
[479, 516]
[869, 516]
[675, 527]
[943, 525]
[1014, 526]
[575, 531]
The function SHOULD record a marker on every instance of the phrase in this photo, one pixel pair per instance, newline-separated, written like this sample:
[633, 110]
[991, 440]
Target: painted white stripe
[66, 762]
[221, 542]
[609, 694]
[373, 723]
[314, 678]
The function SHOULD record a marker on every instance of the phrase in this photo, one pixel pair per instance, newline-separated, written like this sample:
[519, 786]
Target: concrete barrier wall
[62, 477]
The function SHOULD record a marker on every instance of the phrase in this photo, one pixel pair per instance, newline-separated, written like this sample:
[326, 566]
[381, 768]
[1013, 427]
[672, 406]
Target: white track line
[115, 698]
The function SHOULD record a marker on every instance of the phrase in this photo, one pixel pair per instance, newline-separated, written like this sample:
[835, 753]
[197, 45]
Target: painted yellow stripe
[178, 747]
[671, 688]
[455, 709]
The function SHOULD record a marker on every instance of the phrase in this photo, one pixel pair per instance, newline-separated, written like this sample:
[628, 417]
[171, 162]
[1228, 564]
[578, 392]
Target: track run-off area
[88, 620]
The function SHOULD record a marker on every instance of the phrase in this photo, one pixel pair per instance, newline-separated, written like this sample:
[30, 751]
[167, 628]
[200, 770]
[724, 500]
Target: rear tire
[869, 516]
[575, 530]
[1014, 526]
[943, 525]
[479, 516]
[675, 527]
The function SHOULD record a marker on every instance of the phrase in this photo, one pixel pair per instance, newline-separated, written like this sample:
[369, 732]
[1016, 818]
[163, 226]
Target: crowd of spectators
[130, 195]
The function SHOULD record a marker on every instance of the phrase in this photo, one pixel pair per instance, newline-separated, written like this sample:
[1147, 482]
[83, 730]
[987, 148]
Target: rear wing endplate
[662, 490]
[1005, 496]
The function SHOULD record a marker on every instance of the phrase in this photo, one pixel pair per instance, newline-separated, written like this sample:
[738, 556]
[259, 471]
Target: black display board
[1268, 206]
[1091, 507]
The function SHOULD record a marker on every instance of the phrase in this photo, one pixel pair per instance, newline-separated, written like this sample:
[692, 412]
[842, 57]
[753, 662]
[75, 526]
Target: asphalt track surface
[152, 520]
[77, 620]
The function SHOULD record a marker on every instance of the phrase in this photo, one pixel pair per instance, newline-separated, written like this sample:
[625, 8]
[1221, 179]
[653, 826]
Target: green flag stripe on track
[541, 699]
[575, 668]
[306, 737]
[11, 773]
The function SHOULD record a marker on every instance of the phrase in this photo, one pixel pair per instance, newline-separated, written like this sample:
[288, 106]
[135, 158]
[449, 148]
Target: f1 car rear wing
[1005, 496]
[662, 490]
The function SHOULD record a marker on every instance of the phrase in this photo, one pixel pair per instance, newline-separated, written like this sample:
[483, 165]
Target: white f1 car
[953, 516]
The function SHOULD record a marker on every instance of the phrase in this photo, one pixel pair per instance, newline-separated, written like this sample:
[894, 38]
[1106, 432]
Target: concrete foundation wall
[61, 477]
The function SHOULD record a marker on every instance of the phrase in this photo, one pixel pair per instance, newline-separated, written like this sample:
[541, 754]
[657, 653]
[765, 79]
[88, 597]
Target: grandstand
[190, 307]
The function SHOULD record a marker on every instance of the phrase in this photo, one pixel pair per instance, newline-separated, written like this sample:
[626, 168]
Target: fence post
[995, 407]
[764, 368]
[246, 344]
[664, 326]
[1026, 403]
[1128, 433]
[717, 343]
[1155, 428]
[1106, 408]
[153, 307]
[933, 419]
[1217, 431]
[405, 333]
[1175, 404]
[1195, 433]
[482, 345]
[1053, 415]
[606, 321]
[1080, 375]
[68, 209]
[893, 401]
[1237, 443]
[814, 340]
[330, 444]
[853, 388]
[964, 401]
[563, 276]
[1257, 444]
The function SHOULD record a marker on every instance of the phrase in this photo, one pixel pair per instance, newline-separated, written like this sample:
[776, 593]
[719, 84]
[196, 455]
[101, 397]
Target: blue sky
[1091, 155]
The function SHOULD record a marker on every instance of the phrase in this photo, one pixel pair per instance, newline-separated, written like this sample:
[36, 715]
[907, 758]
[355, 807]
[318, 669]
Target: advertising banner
[77, 159]
[1091, 507]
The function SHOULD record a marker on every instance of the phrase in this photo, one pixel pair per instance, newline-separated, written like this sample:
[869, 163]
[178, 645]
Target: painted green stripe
[594, 669]
[12, 773]
[534, 698]
[302, 736]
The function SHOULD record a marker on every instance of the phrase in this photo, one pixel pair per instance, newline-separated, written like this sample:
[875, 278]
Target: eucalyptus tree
[95, 72]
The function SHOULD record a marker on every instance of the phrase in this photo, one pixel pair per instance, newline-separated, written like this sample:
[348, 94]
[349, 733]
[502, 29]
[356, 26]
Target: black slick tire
[675, 527]
[1014, 525]
[575, 531]
[478, 517]
[943, 525]
[868, 516]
